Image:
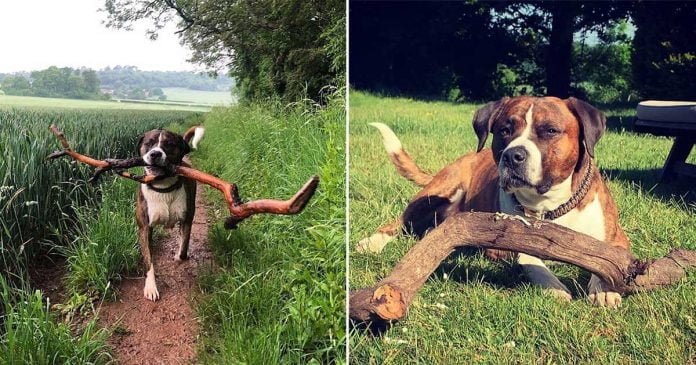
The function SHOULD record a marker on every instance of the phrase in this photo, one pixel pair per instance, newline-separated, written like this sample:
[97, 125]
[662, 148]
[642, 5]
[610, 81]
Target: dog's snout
[515, 156]
[155, 154]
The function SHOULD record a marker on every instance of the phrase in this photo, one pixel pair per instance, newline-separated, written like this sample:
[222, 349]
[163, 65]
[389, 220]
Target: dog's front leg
[540, 275]
[378, 240]
[150, 290]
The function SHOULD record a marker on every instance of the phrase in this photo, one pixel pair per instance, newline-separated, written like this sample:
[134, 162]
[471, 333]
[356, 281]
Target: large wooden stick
[389, 299]
[238, 210]
[118, 166]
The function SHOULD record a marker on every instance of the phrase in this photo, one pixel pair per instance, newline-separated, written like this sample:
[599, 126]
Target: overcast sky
[36, 34]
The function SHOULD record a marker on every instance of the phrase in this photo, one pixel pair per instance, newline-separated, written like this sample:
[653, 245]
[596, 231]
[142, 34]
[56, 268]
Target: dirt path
[162, 332]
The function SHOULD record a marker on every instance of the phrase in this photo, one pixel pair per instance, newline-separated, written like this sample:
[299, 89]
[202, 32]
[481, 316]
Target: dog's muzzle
[513, 169]
[155, 157]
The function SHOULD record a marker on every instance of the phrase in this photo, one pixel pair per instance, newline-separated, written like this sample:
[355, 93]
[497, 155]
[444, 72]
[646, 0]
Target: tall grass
[47, 207]
[106, 244]
[279, 294]
[37, 198]
[31, 334]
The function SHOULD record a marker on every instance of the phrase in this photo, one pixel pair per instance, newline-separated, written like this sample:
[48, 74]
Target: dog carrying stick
[238, 210]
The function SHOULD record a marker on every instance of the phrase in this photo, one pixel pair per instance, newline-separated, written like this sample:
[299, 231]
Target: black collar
[570, 204]
[179, 182]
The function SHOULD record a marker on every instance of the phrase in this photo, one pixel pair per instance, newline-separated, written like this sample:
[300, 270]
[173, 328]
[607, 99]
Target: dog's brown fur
[562, 134]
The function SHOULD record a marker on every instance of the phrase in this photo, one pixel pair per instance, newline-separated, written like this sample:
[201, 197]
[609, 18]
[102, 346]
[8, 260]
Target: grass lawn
[474, 310]
[10, 101]
[198, 96]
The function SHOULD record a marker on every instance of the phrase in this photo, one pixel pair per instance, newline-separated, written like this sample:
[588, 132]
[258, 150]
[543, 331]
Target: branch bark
[389, 299]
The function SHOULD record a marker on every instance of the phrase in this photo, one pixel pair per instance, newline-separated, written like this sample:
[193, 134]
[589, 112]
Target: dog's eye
[504, 132]
[548, 131]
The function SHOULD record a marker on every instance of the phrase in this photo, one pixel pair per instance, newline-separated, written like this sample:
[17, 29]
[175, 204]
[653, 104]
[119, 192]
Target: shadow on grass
[467, 265]
[620, 122]
[680, 189]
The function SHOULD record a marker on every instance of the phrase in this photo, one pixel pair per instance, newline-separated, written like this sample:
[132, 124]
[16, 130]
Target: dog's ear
[483, 120]
[592, 122]
[185, 148]
[140, 142]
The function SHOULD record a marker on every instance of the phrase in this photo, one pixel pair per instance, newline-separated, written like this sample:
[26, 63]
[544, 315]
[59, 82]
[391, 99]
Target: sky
[36, 34]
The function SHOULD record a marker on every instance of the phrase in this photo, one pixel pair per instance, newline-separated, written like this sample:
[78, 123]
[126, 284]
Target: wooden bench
[672, 119]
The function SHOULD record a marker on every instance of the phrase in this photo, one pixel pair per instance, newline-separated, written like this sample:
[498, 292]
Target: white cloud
[36, 34]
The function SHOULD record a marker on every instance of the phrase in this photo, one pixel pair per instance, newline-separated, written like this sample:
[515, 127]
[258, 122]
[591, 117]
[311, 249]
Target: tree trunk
[390, 298]
[560, 50]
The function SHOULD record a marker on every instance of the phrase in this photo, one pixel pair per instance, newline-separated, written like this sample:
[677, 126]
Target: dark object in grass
[238, 210]
[389, 299]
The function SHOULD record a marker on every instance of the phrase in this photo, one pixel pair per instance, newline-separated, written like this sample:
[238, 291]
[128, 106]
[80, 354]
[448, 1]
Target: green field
[199, 96]
[476, 311]
[10, 101]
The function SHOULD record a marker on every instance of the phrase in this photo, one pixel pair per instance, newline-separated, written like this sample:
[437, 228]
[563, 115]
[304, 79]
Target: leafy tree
[664, 61]
[91, 81]
[551, 25]
[55, 82]
[274, 48]
[426, 49]
[16, 85]
[481, 49]
[602, 71]
[138, 94]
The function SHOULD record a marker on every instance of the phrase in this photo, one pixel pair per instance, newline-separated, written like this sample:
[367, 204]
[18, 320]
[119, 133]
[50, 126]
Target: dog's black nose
[155, 154]
[515, 156]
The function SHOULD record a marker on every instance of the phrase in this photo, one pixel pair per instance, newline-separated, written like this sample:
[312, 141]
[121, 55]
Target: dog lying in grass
[540, 164]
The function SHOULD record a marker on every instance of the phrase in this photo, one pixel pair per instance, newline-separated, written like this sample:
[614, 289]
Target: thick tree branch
[188, 19]
[238, 209]
[389, 299]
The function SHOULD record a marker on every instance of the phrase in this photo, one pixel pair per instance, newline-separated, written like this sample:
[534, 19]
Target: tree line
[602, 51]
[126, 82]
[129, 81]
[54, 82]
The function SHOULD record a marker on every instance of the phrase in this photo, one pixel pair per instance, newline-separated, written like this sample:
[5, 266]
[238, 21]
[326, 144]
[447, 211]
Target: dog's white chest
[165, 208]
[589, 220]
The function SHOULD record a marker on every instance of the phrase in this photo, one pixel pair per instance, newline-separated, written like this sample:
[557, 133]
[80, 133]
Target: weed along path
[166, 331]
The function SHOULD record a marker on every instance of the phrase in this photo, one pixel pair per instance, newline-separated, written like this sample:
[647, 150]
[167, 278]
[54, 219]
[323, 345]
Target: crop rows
[38, 197]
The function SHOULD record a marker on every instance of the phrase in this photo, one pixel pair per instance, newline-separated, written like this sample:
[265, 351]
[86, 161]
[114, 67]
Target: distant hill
[120, 82]
[130, 77]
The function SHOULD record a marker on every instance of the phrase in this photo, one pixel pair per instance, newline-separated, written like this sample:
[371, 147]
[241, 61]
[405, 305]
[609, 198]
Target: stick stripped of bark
[390, 298]
[238, 210]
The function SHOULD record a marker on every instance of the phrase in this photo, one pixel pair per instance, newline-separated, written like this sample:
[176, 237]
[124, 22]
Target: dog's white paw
[600, 294]
[559, 294]
[150, 290]
[374, 243]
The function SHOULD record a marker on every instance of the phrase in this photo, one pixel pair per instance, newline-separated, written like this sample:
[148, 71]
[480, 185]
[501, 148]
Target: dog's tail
[405, 165]
[194, 135]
